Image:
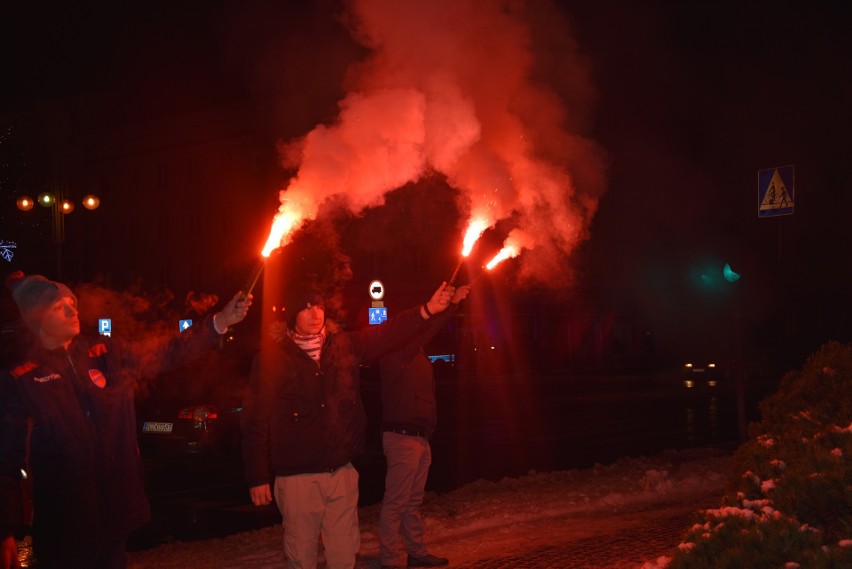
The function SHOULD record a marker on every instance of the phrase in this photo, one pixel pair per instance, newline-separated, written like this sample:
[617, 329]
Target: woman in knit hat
[67, 420]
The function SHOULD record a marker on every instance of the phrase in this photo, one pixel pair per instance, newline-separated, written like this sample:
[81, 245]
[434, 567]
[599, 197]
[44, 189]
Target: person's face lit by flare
[60, 323]
[310, 320]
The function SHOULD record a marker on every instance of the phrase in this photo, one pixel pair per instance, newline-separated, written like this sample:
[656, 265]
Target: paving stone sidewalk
[617, 516]
[624, 540]
[627, 550]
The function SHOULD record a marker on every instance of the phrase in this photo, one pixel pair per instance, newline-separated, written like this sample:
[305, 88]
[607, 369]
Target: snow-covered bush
[790, 502]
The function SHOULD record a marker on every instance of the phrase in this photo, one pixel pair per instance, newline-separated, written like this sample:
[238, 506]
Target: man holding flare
[67, 425]
[304, 421]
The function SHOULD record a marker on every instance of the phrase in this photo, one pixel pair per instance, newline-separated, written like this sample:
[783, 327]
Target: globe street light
[46, 199]
[25, 203]
[91, 201]
[60, 206]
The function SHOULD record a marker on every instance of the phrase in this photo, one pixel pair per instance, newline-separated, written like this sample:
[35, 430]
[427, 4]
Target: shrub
[790, 502]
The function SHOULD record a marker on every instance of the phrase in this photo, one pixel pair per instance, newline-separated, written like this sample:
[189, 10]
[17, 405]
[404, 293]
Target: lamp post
[60, 206]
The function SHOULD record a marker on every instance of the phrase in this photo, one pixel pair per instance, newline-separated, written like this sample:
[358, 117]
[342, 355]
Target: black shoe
[427, 561]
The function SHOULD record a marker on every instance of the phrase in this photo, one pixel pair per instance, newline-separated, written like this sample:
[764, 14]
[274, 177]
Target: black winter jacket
[70, 415]
[300, 416]
[408, 384]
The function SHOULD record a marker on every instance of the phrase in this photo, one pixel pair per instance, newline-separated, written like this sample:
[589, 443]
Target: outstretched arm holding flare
[439, 302]
[233, 313]
[255, 424]
[44, 390]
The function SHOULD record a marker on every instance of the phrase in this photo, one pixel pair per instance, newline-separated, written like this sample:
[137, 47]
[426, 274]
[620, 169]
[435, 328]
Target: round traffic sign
[377, 290]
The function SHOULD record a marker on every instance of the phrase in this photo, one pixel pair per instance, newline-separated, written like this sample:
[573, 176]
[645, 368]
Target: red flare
[507, 252]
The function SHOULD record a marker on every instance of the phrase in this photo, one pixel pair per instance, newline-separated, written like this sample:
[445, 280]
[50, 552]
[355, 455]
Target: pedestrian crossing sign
[378, 315]
[776, 191]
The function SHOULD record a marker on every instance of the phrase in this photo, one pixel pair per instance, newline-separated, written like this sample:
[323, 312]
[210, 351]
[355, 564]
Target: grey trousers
[408, 461]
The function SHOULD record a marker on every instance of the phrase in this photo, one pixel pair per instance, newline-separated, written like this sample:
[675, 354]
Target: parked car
[207, 425]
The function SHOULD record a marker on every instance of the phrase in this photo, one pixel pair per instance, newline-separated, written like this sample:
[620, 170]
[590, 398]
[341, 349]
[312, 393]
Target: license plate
[157, 427]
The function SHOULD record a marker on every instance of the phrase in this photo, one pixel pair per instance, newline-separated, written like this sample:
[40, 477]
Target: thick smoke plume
[477, 91]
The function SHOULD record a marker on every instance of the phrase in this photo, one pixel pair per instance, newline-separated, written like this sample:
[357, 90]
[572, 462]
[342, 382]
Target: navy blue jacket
[69, 417]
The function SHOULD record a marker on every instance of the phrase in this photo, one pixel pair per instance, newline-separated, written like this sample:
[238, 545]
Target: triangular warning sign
[776, 196]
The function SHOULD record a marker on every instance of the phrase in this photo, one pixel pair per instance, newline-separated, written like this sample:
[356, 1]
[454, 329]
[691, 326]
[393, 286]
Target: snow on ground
[486, 521]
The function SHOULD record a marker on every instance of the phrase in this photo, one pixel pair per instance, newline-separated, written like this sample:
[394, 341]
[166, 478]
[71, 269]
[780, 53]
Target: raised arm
[374, 342]
[435, 323]
[439, 302]
[233, 313]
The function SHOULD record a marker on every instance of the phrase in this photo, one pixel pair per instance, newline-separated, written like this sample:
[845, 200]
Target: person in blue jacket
[68, 430]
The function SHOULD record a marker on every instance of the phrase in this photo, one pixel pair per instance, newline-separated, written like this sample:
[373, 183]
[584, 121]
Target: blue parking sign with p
[105, 326]
[378, 315]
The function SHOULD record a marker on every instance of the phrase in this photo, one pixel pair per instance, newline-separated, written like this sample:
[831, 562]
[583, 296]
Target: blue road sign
[184, 325]
[776, 191]
[105, 326]
[378, 315]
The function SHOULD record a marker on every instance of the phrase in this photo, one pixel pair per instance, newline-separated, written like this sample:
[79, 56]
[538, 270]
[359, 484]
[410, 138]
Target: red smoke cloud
[458, 87]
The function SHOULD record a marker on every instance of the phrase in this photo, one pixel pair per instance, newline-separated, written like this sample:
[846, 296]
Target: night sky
[687, 100]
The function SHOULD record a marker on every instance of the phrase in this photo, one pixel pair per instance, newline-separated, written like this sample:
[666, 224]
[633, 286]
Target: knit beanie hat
[299, 296]
[34, 294]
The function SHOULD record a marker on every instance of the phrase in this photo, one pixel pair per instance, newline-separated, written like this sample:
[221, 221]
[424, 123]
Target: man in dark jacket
[303, 422]
[67, 420]
[409, 416]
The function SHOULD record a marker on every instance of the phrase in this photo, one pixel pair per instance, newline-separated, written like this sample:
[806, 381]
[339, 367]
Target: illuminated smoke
[143, 325]
[491, 94]
[515, 243]
[200, 303]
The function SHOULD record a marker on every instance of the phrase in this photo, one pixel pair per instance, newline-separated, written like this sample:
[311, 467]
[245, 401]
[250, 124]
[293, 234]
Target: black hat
[299, 296]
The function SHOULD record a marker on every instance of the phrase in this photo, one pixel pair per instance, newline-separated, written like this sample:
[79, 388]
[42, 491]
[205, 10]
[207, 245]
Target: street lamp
[91, 201]
[25, 203]
[60, 206]
[46, 199]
